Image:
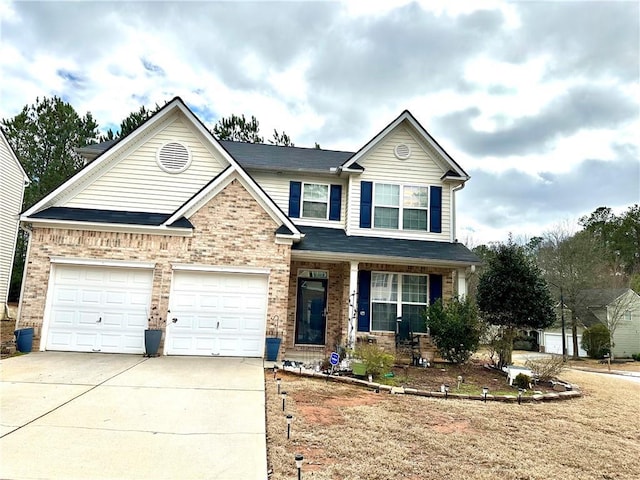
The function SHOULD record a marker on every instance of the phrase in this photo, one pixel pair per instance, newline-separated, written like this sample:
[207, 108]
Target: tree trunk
[574, 334]
[506, 347]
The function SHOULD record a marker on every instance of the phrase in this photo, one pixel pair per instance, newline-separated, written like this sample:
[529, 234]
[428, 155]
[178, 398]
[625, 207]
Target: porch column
[353, 304]
[462, 283]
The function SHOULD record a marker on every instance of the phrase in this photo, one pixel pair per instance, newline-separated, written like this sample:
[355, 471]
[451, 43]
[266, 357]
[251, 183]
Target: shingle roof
[594, 299]
[332, 240]
[109, 216]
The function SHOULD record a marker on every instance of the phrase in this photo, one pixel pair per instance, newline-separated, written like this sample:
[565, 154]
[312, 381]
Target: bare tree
[617, 312]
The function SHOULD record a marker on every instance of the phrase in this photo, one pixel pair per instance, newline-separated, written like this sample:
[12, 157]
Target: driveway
[79, 415]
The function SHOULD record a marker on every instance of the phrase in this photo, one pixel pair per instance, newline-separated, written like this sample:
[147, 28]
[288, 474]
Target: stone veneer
[232, 229]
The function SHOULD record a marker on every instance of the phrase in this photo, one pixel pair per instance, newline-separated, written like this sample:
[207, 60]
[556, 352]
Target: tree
[44, 137]
[455, 328]
[596, 341]
[512, 294]
[281, 139]
[129, 124]
[238, 129]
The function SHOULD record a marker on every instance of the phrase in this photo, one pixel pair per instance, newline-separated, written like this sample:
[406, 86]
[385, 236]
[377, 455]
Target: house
[13, 180]
[616, 308]
[230, 241]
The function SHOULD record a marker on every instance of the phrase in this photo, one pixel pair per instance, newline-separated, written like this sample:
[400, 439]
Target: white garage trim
[96, 308]
[217, 313]
[220, 268]
[101, 263]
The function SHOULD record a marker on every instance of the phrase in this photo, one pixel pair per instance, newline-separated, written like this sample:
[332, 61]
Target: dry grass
[348, 433]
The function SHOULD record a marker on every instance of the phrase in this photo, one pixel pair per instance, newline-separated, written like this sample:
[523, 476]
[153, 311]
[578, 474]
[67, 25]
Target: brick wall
[231, 229]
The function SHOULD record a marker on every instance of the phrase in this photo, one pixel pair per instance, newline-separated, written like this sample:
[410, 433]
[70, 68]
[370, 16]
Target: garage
[217, 313]
[98, 308]
[553, 344]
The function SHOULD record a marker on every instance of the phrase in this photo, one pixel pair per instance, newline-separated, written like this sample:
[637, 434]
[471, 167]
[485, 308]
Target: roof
[109, 216]
[262, 156]
[594, 299]
[336, 242]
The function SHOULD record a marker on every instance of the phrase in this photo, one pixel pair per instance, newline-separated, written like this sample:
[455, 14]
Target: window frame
[401, 207]
[327, 202]
[399, 302]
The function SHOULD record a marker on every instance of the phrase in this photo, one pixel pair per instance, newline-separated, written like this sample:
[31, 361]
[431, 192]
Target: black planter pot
[152, 342]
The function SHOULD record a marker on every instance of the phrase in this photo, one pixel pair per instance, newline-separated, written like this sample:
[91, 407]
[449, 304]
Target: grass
[349, 433]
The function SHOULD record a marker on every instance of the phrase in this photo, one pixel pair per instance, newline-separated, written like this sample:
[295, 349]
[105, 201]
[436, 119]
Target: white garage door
[98, 309]
[217, 314]
[553, 344]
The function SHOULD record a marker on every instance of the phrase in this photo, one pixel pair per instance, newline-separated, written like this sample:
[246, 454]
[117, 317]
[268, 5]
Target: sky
[538, 101]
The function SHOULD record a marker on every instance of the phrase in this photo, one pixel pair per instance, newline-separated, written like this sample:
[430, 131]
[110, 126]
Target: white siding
[11, 192]
[381, 165]
[137, 183]
[277, 187]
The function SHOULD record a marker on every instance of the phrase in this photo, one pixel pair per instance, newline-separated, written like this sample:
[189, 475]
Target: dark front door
[311, 321]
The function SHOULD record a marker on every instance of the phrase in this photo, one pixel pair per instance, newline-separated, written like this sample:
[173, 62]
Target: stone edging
[546, 397]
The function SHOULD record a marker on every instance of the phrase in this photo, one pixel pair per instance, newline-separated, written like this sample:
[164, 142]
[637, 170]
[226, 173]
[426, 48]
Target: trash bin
[24, 339]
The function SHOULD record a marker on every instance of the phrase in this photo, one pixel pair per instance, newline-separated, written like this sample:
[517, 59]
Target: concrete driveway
[80, 415]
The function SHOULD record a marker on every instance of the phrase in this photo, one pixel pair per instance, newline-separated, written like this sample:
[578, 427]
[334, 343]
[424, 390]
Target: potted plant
[272, 342]
[153, 333]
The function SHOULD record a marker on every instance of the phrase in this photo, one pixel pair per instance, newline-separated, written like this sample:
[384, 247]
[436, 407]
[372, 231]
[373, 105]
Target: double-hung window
[400, 206]
[395, 295]
[315, 200]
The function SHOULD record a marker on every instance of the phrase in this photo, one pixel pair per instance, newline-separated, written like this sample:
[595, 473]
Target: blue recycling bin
[24, 339]
[273, 347]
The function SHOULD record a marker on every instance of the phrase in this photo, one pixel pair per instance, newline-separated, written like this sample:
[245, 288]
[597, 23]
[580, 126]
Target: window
[396, 295]
[390, 212]
[315, 200]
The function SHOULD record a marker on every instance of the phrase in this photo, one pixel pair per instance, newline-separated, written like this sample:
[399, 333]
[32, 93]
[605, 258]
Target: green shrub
[595, 341]
[636, 356]
[377, 361]
[522, 381]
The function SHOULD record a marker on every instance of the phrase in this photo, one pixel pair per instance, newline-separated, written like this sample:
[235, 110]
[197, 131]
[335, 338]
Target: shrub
[546, 368]
[455, 328]
[636, 356]
[595, 341]
[522, 381]
[375, 358]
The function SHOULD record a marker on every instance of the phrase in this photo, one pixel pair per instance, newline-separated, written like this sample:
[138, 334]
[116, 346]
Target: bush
[376, 360]
[595, 341]
[546, 368]
[636, 356]
[455, 328]
[522, 381]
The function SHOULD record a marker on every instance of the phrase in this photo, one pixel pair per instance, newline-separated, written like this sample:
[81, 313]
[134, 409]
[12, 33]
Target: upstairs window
[400, 207]
[315, 200]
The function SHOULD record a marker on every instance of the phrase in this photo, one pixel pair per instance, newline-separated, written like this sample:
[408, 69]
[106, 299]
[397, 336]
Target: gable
[136, 182]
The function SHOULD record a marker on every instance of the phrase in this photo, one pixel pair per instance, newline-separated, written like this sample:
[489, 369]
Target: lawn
[346, 432]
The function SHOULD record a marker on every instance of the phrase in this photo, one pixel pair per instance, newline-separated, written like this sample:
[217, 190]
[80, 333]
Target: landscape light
[520, 392]
[446, 391]
[289, 419]
[278, 380]
[485, 390]
[299, 459]
[275, 371]
[284, 399]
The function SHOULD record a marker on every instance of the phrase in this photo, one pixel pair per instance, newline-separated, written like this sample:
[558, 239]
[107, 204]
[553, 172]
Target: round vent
[174, 157]
[402, 151]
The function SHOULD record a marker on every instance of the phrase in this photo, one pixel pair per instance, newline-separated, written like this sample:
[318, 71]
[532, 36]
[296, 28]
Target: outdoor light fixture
[485, 390]
[446, 392]
[299, 459]
[278, 381]
[520, 392]
[275, 371]
[284, 399]
[289, 419]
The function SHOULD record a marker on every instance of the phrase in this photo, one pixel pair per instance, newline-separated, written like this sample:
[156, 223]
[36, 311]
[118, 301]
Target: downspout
[27, 228]
[453, 210]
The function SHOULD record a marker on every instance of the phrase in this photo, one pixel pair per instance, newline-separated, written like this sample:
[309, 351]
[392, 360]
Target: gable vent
[174, 157]
[402, 151]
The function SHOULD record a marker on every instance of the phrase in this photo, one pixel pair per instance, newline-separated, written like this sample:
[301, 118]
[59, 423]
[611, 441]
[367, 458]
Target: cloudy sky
[538, 101]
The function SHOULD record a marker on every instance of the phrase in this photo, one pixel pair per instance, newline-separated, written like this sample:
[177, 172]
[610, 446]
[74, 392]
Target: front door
[311, 320]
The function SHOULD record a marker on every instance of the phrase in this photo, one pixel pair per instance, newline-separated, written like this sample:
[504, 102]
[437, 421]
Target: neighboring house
[227, 240]
[13, 180]
[617, 308]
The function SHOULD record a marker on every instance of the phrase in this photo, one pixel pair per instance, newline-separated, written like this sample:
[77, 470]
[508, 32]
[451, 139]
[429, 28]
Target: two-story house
[229, 240]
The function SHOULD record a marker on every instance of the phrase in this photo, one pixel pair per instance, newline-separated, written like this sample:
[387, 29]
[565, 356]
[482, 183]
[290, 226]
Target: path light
[446, 391]
[520, 392]
[275, 371]
[284, 399]
[485, 390]
[299, 459]
[289, 419]
[459, 381]
[278, 381]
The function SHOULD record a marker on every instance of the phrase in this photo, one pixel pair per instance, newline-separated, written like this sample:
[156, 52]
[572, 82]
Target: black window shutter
[366, 204]
[435, 210]
[335, 201]
[295, 192]
[364, 295]
[435, 288]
